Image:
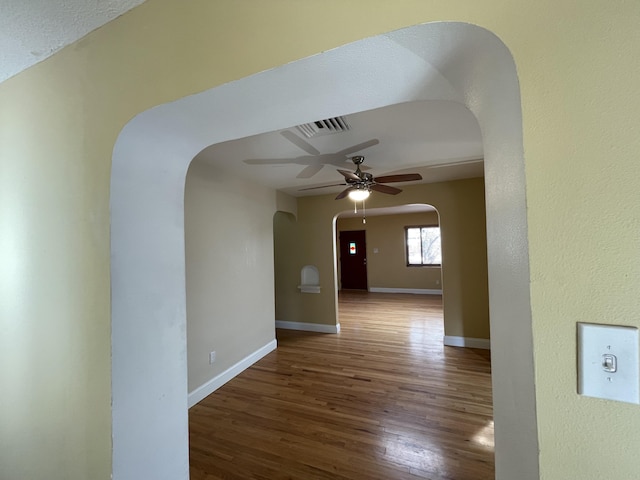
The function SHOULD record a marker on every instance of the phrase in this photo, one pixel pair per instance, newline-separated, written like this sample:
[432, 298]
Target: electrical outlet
[212, 358]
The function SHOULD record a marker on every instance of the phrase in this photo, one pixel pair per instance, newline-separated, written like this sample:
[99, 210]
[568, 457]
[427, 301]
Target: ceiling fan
[360, 184]
[313, 162]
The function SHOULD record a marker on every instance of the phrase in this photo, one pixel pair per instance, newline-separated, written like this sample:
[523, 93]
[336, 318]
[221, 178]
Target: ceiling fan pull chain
[355, 207]
[364, 213]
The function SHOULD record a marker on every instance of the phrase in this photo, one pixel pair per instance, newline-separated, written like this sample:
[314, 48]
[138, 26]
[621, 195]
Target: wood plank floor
[381, 400]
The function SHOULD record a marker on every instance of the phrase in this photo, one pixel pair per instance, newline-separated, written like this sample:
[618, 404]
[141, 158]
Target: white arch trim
[451, 61]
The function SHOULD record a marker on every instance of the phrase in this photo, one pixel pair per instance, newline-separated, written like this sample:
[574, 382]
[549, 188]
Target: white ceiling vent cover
[324, 127]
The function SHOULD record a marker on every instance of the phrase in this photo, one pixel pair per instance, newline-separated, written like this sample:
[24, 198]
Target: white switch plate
[608, 362]
[212, 358]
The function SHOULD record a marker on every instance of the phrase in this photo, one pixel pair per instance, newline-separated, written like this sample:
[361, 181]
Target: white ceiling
[32, 30]
[441, 140]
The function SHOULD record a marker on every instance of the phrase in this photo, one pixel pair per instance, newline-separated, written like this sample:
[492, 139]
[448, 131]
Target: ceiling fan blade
[360, 146]
[385, 189]
[344, 193]
[299, 142]
[407, 177]
[322, 186]
[349, 175]
[310, 171]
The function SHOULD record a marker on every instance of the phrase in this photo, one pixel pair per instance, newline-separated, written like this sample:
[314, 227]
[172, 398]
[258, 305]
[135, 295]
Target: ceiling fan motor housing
[360, 181]
[357, 160]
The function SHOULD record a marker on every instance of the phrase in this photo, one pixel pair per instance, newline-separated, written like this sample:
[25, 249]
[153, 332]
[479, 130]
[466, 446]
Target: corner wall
[287, 264]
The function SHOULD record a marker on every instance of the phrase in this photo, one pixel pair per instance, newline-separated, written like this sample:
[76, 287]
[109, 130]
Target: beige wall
[287, 271]
[386, 251]
[290, 255]
[578, 72]
[229, 270]
[310, 240]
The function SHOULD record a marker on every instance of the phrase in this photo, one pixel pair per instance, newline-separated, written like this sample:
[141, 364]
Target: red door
[353, 260]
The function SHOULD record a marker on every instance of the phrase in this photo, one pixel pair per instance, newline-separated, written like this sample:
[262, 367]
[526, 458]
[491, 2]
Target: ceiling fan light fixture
[359, 194]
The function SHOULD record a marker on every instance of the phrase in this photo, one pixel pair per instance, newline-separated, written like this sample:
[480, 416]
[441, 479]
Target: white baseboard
[417, 291]
[467, 342]
[216, 382]
[308, 327]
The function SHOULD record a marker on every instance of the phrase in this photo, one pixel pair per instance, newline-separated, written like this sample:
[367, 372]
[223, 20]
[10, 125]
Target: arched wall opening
[386, 262]
[458, 209]
[387, 267]
[450, 61]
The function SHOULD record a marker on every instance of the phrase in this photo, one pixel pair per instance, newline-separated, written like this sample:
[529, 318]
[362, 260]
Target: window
[423, 245]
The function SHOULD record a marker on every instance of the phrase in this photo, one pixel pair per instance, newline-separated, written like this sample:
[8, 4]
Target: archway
[387, 265]
[451, 61]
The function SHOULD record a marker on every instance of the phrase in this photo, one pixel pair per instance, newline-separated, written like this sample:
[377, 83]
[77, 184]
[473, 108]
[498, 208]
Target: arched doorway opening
[150, 161]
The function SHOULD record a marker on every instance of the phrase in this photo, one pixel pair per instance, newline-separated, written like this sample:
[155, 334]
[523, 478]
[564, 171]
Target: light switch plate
[608, 362]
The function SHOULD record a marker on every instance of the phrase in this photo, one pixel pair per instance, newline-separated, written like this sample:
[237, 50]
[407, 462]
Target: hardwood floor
[381, 400]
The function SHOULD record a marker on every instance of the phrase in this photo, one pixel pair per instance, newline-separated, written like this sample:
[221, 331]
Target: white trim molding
[216, 382]
[417, 291]
[468, 342]
[308, 327]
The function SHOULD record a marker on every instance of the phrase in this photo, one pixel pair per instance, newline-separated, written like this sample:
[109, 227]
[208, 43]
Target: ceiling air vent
[324, 127]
